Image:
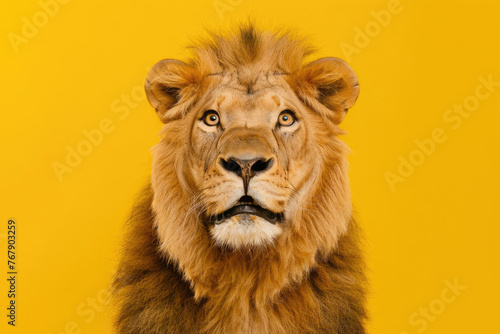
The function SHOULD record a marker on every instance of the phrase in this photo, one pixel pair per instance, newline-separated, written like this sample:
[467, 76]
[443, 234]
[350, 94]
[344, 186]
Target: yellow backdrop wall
[75, 134]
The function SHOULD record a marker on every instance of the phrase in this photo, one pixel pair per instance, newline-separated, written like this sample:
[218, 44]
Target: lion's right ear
[168, 83]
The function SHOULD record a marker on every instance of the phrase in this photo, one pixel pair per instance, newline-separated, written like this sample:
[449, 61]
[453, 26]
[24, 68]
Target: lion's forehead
[234, 101]
[250, 78]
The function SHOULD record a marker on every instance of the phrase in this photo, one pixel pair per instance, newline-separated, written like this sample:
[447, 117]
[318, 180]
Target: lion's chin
[245, 231]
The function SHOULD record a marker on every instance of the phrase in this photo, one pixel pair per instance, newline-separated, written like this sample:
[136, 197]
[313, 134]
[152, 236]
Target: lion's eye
[211, 118]
[286, 118]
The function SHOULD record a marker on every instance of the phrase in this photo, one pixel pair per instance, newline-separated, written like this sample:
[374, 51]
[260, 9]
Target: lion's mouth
[247, 205]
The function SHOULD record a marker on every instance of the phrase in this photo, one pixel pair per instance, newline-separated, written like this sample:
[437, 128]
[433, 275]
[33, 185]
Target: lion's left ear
[327, 82]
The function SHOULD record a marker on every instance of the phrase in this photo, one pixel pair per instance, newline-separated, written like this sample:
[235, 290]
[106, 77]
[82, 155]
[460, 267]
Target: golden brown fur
[306, 275]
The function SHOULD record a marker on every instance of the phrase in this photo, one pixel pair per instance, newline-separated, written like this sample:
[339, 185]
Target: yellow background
[440, 224]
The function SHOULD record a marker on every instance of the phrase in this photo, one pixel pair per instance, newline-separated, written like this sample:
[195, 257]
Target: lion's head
[249, 157]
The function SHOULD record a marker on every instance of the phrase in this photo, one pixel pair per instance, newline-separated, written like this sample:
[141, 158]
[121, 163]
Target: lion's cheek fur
[171, 199]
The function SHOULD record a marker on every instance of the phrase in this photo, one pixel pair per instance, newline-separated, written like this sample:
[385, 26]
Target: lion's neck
[251, 287]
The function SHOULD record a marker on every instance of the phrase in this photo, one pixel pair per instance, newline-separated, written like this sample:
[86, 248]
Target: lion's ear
[167, 83]
[331, 82]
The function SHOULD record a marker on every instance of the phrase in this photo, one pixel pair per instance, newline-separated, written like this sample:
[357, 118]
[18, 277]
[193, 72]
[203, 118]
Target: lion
[247, 224]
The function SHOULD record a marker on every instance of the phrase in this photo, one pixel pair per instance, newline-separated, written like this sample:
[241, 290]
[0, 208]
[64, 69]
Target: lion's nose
[240, 166]
[246, 169]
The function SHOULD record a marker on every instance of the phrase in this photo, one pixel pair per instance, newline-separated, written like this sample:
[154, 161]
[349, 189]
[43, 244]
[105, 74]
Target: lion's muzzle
[246, 152]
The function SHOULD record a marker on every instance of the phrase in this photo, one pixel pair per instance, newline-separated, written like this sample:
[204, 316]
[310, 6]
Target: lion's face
[249, 154]
[246, 149]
